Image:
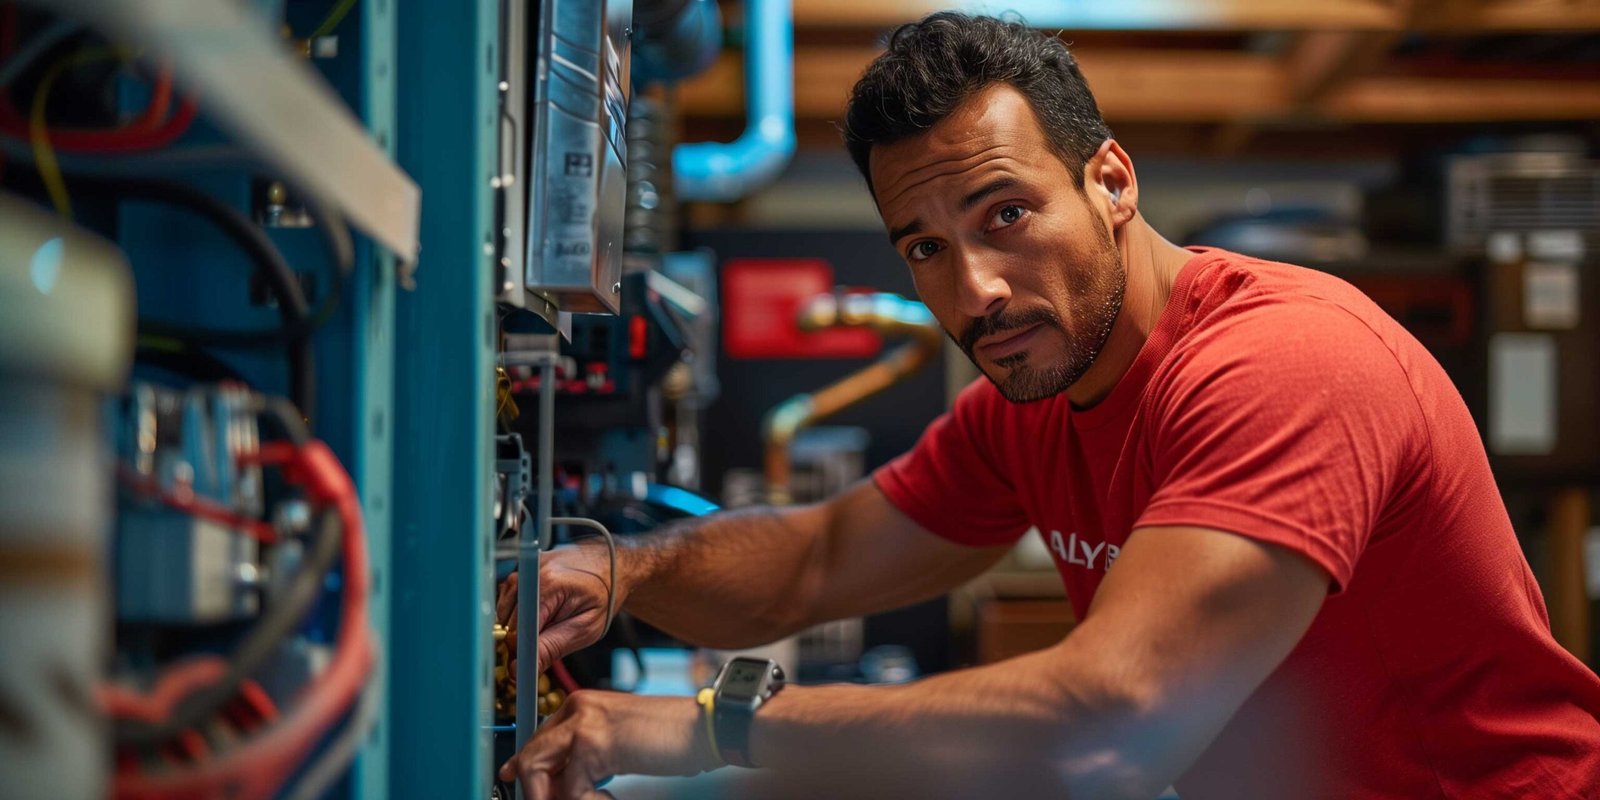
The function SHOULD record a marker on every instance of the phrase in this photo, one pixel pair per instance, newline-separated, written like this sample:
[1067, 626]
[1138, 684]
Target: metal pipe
[674, 39]
[530, 541]
[725, 172]
[887, 313]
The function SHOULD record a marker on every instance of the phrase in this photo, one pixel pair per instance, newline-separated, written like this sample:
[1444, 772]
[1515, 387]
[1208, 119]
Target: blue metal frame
[373, 337]
[441, 573]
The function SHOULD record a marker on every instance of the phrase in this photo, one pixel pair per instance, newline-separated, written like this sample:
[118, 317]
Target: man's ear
[1111, 183]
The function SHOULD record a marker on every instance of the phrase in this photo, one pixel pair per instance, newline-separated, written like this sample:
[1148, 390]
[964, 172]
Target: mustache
[1002, 321]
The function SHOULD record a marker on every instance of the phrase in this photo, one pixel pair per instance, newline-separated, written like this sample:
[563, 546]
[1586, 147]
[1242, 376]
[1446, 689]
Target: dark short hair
[931, 66]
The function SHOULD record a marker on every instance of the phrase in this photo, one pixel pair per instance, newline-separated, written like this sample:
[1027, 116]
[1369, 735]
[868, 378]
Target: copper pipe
[887, 313]
[1568, 595]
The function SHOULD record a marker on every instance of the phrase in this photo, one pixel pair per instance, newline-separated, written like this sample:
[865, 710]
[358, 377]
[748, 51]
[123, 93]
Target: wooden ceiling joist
[1134, 85]
[1235, 15]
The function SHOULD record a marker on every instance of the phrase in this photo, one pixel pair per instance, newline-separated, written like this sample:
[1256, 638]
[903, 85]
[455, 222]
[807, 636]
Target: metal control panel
[578, 183]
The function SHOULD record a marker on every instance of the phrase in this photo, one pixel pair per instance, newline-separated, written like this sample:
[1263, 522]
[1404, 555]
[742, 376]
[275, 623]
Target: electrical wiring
[155, 112]
[124, 139]
[177, 681]
[44, 157]
[40, 43]
[288, 417]
[611, 548]
[256, 699]
[291, 302]
[197, 506]
[188, 159]
[564, 677]
[258, 767]
[337, 755]
[179, 358]
[341, 251]
[335, 16]
[153, 129]
[264, 637]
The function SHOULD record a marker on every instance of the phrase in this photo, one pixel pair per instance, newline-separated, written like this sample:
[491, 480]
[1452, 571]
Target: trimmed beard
[1098, 294]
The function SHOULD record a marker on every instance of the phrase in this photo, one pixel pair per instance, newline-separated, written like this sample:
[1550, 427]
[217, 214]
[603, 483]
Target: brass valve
[549, 699]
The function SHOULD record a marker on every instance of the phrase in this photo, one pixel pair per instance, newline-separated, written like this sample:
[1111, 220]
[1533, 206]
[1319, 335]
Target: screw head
[616, 288]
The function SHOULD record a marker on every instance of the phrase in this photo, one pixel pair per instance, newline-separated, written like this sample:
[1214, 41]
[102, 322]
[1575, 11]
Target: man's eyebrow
[915, 226]
[996, 185]
[973, 198]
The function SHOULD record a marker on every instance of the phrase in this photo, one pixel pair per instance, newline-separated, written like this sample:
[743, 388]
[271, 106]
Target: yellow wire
[161, 343]
[44, 156]
[335, 16]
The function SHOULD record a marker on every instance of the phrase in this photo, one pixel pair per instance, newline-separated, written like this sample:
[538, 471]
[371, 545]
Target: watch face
[744, 679]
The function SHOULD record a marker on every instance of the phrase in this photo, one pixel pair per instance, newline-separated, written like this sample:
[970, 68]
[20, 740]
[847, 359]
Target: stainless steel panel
[578, 190]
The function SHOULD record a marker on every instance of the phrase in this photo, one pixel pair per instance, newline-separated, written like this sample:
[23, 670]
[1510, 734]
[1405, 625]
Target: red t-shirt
[1281, 404]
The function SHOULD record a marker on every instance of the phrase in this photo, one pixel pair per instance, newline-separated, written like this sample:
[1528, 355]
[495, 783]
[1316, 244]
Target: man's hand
[572, 602]
[596, 735]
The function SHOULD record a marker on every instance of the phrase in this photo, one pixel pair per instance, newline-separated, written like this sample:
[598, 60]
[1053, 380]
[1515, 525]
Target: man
[1270, 507]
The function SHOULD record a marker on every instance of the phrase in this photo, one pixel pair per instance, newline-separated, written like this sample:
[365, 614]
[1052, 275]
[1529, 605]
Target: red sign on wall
[761, 297]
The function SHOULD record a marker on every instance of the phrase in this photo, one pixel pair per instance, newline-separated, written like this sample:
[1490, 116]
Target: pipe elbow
[724, 172]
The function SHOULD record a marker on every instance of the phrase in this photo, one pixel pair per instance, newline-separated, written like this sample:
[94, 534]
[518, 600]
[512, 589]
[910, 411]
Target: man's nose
[983, 289]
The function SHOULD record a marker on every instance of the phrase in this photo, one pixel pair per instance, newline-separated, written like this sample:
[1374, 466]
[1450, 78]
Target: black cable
[341, 251]
[180, 359]
[253, 241]
[264, 638]
[289, 419]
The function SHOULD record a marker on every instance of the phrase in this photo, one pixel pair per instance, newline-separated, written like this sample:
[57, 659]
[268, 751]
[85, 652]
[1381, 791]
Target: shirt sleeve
[1288, 426]
[951, 482]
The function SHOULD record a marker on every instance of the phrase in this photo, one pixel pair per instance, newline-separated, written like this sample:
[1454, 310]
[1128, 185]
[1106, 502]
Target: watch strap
[730, 720]
[732, 730]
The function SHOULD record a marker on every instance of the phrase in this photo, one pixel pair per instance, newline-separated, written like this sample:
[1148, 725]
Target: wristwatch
[741, 687]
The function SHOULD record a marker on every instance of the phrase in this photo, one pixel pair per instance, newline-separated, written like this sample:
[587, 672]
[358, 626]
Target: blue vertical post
[372, 333]
[441, 580]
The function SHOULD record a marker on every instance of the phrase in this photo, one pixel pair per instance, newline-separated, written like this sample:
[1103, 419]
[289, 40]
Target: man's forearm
[1030, 727]
[733, 579]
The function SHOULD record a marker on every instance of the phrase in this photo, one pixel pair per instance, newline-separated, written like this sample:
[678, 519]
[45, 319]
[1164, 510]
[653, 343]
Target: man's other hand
[597, 735]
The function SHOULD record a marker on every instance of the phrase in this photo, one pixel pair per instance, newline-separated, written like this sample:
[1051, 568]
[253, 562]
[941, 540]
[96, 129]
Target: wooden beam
[1232, 138]
[1508, 16]
[1319, 60]
[1226, 15]
[1148, 15]
[1201, 86]
[1432, 100]
[1173, 85]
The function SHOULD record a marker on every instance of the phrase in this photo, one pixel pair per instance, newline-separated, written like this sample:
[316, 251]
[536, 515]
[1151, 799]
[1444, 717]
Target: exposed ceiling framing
[1233, 70]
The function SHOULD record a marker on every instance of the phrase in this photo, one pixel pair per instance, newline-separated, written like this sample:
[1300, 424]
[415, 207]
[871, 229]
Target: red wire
[175, 683]
[200, 507]
[160, 102]
[258, 701]
[258, 768]
[125, 139]
[152, 130]
[564, 677]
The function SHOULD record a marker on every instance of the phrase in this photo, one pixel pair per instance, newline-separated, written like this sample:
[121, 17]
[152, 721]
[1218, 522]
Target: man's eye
[1007, 215]
[922, 250]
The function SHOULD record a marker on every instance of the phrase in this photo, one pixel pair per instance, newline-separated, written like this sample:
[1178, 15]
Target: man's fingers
[548, 752]
[506, 603]
[578, 780]
[559, 641]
